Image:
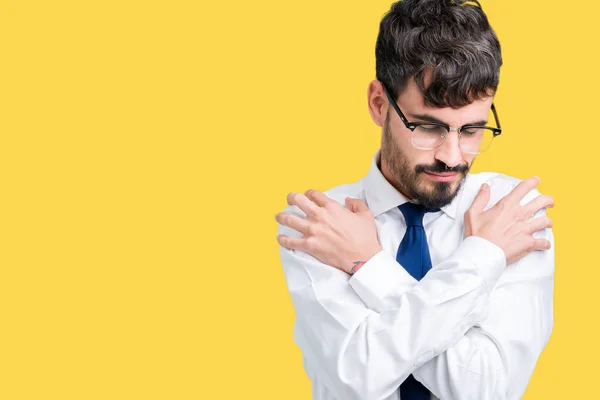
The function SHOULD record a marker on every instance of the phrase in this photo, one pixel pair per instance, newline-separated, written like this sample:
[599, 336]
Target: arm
[368, 336]
[495, 358]
[364, 354]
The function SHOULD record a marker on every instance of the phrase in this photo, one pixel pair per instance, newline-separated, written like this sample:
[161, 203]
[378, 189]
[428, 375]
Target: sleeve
[366, 353]
[496, 357]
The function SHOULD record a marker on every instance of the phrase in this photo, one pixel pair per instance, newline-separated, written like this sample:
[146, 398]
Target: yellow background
[145, 147]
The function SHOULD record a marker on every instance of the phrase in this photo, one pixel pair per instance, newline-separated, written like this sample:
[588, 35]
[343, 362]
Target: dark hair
[450, 38]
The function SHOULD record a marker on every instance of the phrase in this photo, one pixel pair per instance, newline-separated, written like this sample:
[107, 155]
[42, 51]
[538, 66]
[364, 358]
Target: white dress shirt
[472, 328]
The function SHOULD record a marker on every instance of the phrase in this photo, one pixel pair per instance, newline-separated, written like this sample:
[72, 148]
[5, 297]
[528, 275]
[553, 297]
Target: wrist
[358, 262]
[357, 265]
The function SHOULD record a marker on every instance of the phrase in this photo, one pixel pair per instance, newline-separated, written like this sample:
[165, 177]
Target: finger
[541, 244]
[536, 245]
[540, 202]
[359, 205]
[521, 190]
[303, 202]
[350, 204]
[320, 198]
[537, 224]
[291, 242]
[482, 198]
[293, 221]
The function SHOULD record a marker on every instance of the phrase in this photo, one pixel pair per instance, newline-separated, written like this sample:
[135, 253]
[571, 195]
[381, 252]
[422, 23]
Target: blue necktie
[413, 255]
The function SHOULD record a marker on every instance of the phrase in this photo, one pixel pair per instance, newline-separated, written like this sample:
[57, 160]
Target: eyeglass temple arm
[393, 103]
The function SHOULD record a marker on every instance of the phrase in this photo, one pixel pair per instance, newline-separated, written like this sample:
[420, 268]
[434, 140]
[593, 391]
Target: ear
[378, 103]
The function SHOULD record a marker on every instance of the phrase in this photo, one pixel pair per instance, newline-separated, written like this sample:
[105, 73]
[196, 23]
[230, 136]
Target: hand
[336, 236]
[508, 224]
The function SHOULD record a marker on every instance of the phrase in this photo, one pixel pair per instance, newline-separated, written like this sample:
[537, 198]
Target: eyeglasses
[472, 139]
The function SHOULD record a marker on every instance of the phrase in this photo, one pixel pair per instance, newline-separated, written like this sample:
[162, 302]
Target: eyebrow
[429, 118]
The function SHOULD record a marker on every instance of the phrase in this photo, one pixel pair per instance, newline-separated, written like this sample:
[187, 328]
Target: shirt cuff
[380, 277]
[489, 258]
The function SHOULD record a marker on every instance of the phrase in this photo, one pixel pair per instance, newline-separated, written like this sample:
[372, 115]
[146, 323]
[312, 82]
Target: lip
[442, 177]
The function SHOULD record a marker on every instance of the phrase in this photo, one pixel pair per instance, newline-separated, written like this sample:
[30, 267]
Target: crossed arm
[471, 329]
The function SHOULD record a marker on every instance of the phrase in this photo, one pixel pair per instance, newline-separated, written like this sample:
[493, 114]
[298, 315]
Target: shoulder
[536, 266]
[500, 186]
[337, 193]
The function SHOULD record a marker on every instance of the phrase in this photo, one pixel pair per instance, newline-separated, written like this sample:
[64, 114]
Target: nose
[449, 152]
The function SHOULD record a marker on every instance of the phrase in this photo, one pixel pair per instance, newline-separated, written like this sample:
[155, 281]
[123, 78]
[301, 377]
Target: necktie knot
[413, 213]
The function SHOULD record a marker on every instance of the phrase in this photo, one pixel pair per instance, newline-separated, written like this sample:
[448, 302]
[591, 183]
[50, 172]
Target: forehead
[411, 102]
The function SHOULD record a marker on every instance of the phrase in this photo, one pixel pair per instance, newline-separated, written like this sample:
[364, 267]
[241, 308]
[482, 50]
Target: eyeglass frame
[413, 125]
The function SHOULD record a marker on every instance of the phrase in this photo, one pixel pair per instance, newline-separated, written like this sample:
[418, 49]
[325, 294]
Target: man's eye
[473, 130]
[432, 129]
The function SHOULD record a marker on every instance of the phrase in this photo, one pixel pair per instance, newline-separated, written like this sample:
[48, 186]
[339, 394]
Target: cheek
[422, 157]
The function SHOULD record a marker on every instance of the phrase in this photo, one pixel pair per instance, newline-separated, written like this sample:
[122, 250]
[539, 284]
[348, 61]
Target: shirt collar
[381, 196]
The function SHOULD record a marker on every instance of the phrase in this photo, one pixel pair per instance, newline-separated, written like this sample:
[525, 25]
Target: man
[421, 280]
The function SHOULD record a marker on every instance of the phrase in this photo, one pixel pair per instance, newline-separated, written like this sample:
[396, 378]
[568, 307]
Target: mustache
[441, 167]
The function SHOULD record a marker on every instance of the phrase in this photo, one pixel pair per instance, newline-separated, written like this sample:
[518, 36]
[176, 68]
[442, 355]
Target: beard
[412, 183]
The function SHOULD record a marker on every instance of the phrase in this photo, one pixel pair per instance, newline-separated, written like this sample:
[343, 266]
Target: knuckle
[470, 216]
[501, 205]
[522, 216]
[337, 212]
[282, 219]
[320, 214]
[317, 230]
[311, 244]
[330, 205]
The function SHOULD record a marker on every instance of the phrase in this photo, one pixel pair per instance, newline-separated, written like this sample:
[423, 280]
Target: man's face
[433, 177]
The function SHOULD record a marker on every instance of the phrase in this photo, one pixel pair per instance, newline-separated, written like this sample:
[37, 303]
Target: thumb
[356, 205]
[482, 198]
[350, 204]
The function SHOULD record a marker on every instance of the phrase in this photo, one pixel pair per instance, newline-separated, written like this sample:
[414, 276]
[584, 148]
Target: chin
[438, 194]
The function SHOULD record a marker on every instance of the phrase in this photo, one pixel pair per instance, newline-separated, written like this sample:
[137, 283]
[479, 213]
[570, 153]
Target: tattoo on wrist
[356, 267]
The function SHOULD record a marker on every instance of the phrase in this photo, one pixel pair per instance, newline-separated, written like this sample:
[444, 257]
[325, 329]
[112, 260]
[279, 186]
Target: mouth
[442, 176]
